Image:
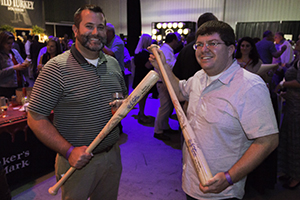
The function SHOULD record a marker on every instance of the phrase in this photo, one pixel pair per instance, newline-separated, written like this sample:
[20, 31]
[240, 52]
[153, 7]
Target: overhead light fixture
[179, 31]
[159, 37]
[154, 31]
[175, 25]
[164, 25]
[180, 25]
[186, 31]
[158, 25]
[170, 25]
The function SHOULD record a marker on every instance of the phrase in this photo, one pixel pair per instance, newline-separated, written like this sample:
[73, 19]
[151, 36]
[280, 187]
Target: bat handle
[54, 189]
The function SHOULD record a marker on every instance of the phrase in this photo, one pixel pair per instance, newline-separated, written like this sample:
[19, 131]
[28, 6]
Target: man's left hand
[216, 184]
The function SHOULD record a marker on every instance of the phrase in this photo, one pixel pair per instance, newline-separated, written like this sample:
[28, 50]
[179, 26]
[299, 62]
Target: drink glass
[3, 106]
[117, 98]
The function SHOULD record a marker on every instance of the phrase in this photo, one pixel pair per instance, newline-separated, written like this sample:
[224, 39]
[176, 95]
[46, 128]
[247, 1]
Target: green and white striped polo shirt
[79, 94]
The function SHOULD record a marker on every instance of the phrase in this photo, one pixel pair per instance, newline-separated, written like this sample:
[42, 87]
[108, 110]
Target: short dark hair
[281, 34]
[57, 44]
[267, 33]
[225, 31]
[254, 56]
[205, 18]
[170, 37]
[91, 7]
[29, 37]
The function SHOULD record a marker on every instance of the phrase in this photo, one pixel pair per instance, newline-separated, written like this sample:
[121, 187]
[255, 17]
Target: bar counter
[23, 157]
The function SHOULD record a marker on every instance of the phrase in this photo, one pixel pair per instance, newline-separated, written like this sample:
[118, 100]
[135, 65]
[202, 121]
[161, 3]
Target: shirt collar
[82, 61]
[229, 73]
[169, 47]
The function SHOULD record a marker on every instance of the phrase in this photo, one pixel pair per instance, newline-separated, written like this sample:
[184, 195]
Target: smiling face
[51, 47]
[91, 34]
[214, 59]
[245, 48]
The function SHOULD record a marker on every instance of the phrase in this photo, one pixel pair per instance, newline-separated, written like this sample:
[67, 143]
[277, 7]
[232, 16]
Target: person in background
[266, 48]
[13, 69]
[53, 49]
[267, 51]
[186, 64]
[64, 43]
[70, 84]
[289, 138]
[35, 47]
[161, 126]
[256, 39]
[247, 55]
[28, 57]
[287, 56]
[114, 46]
[27, 45]
[142, 67]
[234, 134]
[22, 47]
[43, 50]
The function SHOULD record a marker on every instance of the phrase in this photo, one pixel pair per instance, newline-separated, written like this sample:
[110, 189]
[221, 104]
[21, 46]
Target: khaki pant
[99, 179]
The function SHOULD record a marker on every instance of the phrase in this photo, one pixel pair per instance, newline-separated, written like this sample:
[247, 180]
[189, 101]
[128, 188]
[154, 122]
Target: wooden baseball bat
[137, 94]
[200, 163]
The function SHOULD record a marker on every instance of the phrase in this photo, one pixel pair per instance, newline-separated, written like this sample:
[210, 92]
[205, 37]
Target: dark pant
[4, 188]
[191, 198]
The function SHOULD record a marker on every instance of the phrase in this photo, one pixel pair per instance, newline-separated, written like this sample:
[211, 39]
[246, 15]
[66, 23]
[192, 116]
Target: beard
[91, 42]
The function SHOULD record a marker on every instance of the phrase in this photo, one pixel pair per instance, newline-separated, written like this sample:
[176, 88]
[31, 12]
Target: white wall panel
[261, 10]
[177, 10]
[189, 10]
[115, 12]
[235, 10]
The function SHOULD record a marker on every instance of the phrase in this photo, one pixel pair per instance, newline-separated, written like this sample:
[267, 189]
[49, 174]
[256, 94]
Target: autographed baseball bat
[137, 94]
[196, 154]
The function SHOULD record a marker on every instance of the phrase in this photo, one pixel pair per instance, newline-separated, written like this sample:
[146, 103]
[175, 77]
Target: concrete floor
[151, 168]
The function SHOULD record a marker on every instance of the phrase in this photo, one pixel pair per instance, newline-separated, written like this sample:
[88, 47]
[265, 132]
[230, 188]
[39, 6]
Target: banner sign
[21, 13]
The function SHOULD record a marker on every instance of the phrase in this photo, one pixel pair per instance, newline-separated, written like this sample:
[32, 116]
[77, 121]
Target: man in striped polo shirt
[77, 85]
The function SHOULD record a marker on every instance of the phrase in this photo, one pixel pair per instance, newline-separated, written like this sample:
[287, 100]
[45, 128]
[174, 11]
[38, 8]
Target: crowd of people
[214, 76]
[23, 58]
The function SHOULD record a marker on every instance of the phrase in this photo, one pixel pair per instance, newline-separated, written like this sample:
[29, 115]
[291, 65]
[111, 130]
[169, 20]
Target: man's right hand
[79, 157]
[153, 61]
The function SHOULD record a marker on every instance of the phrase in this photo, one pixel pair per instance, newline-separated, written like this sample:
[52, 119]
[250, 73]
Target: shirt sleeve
[256, 112]
[184, 88]
[47, 89]
[272, 48]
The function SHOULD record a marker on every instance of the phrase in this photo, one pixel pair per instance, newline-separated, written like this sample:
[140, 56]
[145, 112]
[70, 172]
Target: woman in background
[12, 66]
[289, 134]
[142, 67]
[247, 55]
[53, 49]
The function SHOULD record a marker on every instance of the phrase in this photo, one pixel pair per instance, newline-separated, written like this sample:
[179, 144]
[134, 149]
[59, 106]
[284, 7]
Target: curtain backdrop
[256, 29]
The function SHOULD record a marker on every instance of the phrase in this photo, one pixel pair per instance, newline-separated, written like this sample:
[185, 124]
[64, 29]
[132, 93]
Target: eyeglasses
[209, 45]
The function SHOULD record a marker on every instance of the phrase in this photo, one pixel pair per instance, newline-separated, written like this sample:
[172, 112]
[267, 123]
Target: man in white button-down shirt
[230, 112]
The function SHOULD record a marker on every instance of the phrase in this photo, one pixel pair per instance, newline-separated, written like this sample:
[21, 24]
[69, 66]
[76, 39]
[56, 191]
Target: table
[23, 157]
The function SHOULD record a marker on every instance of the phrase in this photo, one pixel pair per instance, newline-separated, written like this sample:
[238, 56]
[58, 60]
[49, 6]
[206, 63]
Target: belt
[107, 149]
